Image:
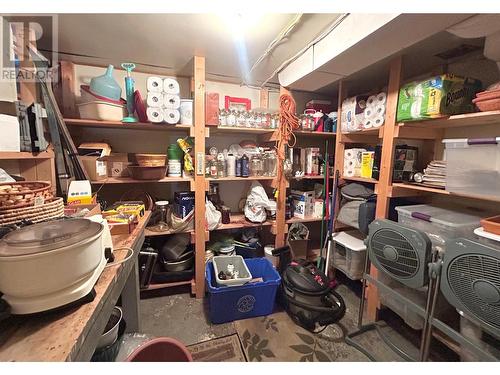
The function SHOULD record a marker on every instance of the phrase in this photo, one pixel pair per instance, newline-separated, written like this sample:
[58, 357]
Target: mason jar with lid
[241, 119]
[256, 166]
[271, 164]
[231, 118]
[251, 120]
[222, 117]
[258, 120]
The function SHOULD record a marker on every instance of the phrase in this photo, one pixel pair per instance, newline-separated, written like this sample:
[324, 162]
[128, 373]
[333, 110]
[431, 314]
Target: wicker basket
[151, 160]
[23, 194]
[52, 208]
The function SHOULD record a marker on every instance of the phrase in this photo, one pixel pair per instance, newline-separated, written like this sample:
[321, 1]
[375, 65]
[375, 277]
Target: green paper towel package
[439, 96]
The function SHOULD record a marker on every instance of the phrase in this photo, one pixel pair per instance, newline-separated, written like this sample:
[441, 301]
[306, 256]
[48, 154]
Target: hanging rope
[285, 136]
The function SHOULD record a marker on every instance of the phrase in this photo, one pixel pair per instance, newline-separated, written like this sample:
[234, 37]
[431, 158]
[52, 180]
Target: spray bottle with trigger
[129, 90]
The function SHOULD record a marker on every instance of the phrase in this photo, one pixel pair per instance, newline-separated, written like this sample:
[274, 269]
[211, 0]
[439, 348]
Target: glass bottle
[213, 168]
[245, 170]
[241, 119]
[272, 163]
[222, 117]
[231, 118]
[221, 165]
[258, 120]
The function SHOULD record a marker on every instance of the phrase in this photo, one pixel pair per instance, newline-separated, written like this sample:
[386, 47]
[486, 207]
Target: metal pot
[184, 262]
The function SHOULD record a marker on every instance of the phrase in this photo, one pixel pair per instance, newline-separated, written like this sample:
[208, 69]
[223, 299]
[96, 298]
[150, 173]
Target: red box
[211, 109]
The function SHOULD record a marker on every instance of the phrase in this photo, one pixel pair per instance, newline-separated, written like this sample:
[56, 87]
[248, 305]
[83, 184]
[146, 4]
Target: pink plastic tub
[161, 349]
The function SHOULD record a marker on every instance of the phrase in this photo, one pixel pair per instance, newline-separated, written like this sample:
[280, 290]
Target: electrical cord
[127, 257]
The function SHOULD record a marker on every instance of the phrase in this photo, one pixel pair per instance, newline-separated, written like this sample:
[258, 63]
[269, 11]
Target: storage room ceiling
[165, 43]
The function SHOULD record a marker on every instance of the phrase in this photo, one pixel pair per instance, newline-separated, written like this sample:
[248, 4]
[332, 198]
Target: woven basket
[52, 208]
[23, 194]
[151, 160]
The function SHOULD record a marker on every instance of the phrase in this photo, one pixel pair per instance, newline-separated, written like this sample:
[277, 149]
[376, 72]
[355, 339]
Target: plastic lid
[433, 214]
[491, 236]
[39, 238]
[350, 239]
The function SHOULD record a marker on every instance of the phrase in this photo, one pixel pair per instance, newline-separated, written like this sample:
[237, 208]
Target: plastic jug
[106, 85]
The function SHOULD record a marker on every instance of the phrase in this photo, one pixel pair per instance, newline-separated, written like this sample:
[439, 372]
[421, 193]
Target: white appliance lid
[48, 236]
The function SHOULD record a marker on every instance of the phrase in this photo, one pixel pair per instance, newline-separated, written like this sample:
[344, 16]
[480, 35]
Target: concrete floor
[180, 316]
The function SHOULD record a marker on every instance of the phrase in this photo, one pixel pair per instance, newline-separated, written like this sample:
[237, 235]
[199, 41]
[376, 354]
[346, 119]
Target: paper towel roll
[171, 86]
[154, 114]
[349, 154]
[349, 163]
[154, 99]
[371, 101]
[381, 98]
[171, 116]
[378, 121]
[379, 110]
[171, 101]
[155, 84]
[349, 172]
[368, 123]
[369, 112]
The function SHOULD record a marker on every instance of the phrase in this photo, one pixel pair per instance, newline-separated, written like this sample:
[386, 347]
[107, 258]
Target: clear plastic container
[473, 166]
[440, 224]
[349, 253]
[487, 238]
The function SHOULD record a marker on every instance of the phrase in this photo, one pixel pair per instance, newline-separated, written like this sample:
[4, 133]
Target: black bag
[357, 206]
[308, 298]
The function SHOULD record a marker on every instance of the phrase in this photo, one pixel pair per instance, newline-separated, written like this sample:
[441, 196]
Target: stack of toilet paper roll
[352, 113]
[163, 100]
[374, 113]
[352, 162]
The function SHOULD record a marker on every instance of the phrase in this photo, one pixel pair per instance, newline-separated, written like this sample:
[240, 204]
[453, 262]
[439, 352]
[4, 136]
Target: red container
[212, 109]
[161, 349]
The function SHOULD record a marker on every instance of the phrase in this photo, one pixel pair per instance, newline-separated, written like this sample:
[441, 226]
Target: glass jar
[250, 120]
[258, 120]
[266, 120]
[213, 168]
[271, 164]
[274, 120]
[222, 117]
[221, 165]
[231, 118]
[161, 215]
[241, 119]
[256, 166]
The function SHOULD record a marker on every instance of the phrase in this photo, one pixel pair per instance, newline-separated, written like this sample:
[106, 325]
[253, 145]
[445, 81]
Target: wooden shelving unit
[406, 190]
[309, 219]
[250, 178]
[238, 221]
[173, 284]
[49, 154]
[306, 133]
[360, 179]
[236, 130]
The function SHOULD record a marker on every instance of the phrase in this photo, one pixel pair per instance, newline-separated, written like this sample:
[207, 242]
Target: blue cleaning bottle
[129, 90]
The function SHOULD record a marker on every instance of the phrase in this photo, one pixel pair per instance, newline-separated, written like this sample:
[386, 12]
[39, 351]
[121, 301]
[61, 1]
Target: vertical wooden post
[386, 167]
[264, 98]
[339, 144]
[67, 101]
[199, 177]
[281, 199]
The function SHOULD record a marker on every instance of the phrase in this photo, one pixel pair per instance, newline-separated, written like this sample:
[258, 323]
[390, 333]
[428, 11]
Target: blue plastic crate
[229, 303]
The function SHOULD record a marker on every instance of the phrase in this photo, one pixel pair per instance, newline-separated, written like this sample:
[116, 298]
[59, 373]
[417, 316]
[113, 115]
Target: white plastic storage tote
[439, 223]
[473, 166]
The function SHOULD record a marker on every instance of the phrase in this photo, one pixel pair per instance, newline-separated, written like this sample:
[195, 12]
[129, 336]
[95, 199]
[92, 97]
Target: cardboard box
[183, 203]
[95, 167]
[212, 109]
[116, 165]
[367, 164]
[303, 202]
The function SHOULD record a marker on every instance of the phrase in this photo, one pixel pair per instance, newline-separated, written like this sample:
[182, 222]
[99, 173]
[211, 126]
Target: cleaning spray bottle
[129, 90]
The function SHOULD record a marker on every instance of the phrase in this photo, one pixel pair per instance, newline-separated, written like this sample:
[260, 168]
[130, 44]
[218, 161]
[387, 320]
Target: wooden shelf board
[120, 125]
[167, 285]
[370, 131]
[468, 119]
[308, 219]
[240, 178]
[128, 180]
[397, 190]
[239, 221]
[236, 130]
[309, 178]
[152, 233]
[360, 179]
[314, 134]
[6, 155]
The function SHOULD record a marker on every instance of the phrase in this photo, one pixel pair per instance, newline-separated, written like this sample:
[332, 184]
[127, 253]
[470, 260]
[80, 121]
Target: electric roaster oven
[54, 264]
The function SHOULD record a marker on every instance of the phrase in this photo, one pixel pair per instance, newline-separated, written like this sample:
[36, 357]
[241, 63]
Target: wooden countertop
[60, 336]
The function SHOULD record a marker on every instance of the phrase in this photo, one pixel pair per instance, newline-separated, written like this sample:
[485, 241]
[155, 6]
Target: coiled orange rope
[288, 123]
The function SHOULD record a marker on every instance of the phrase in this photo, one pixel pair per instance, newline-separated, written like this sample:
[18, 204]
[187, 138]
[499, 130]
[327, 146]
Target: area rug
[223, 349]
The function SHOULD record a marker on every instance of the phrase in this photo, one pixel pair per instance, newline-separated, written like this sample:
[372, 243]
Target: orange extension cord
[288, 123]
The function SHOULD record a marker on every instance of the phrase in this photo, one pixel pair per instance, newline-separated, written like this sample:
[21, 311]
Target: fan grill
[407, 263]
[462, 272]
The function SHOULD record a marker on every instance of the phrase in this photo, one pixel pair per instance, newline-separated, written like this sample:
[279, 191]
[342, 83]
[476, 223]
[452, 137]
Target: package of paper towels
[352, 162]
[352, 113]
[374, 113]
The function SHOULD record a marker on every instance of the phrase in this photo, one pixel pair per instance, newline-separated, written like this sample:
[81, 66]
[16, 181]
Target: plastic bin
[226, 304]
[487, 238]
[473, 166]
[440, 224]
[349, 253]
[221, 264]
[161, 349]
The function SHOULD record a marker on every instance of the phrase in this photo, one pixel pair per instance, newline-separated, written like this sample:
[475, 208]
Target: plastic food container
[221, 263]
[440, 224]
[246, 301]
[349, 253]
[473, 166]
[99, 110]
